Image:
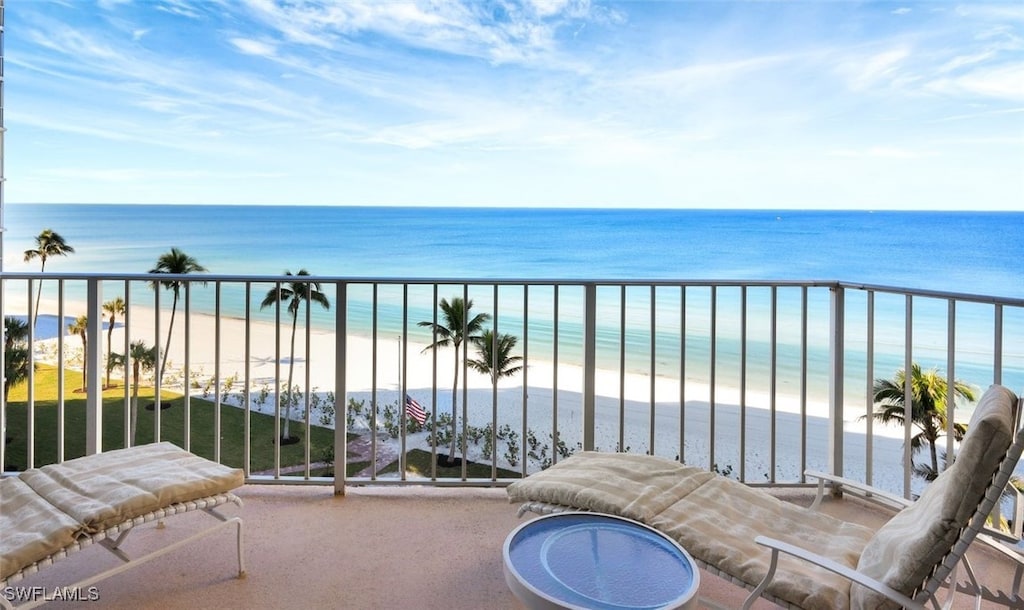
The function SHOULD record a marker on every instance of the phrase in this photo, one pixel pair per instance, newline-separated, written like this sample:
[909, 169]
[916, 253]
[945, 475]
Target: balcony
[376, 547]
[756, 380]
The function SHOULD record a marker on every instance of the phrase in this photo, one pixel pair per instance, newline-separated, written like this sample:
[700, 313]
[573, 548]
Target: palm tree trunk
[291, 369]
[110, 337]
[39, 295]
[455, 395]
[85, 360]
[170, 329]
[135, 399]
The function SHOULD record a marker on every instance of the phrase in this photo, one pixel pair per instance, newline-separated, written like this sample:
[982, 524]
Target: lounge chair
[794, 556]
[48, 513]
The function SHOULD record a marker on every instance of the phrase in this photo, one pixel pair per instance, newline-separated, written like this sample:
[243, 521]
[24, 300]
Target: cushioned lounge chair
[795, 556]
[50, 512]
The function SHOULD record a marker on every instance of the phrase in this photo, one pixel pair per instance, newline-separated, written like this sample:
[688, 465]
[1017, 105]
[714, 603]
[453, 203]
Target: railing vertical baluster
[803, 383]
[682, 373]
[950, 374]
[554, 380]
[997, 345]
[216, 371]
[589, 365]
[247, 404]
[373, 381]
[712, 374]
[743, 383]
[433, 387]
[340, 388]
[61, 407]
[869, 407]
[653, 375]
[494, 387]
[94, 373]
[403, 388]
[837, 353]
[277, 382]
[773, 359]
[622, 367]
[465, 381]
[126, 368]
[30, 399]
[526, 382]
[908, 391]
[187, 373]
[309, 388]
[158, 369]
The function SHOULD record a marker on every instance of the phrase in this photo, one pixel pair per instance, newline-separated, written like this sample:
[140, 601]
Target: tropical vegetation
[79, 327]
[174, 262]
[456, 326]
[494, 356]
[114, 307]
[928, 411]
[143, 359]
[295, 294]
[15, 352]
[49, 243]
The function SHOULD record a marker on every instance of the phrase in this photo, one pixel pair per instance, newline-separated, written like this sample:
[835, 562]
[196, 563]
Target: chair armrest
[778, 546]
[872, 493]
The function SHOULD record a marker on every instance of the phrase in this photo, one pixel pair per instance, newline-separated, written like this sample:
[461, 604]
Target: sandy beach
[376, 365]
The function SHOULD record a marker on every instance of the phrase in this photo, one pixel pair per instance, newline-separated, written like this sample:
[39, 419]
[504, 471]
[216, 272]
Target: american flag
[414, 410]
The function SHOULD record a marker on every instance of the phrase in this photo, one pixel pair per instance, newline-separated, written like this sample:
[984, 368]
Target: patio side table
[593, 561]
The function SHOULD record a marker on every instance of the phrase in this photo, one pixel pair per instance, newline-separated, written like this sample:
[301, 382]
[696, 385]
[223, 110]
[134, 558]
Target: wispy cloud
[585, 98]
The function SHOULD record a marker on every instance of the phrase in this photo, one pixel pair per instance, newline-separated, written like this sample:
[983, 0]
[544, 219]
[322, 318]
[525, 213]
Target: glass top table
[597, 562]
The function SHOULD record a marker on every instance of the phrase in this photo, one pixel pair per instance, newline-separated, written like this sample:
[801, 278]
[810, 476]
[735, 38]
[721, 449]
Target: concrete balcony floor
[375, 547]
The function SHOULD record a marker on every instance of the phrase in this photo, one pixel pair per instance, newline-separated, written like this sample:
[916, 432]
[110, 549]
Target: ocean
[968, 252]
[949, 251]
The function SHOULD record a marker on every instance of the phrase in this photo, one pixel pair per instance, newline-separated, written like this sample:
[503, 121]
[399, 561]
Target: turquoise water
[977, 253]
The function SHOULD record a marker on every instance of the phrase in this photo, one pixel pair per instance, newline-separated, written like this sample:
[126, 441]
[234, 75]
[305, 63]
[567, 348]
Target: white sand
[269, 358]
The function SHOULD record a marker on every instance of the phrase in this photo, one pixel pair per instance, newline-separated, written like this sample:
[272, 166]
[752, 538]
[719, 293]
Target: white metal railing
[757, 380]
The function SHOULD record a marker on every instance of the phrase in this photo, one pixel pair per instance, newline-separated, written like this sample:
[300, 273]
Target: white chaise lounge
[50, 512]
[794, 556]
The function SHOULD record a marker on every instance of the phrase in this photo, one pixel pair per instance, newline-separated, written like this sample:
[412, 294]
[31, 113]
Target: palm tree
[15, 352]
[928, 410]
[79, 327]
[48, 243]
[143, 358]
[178, 263]
[456, 328]
[295, 294]
[494, 356]
[114, 307]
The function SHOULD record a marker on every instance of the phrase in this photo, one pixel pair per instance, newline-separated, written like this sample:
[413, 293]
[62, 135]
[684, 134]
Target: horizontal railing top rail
[506, 281]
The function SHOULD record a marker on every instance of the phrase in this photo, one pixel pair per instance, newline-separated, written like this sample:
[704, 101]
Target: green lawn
[115, 416]
[261, 429]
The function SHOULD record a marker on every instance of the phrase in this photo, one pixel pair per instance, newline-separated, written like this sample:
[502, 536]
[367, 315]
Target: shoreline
[268, 359]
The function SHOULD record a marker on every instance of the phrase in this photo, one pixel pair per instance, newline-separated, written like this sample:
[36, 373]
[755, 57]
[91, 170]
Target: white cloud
[879, 152]
[1004, 82]
[879, 69]
[253, 47]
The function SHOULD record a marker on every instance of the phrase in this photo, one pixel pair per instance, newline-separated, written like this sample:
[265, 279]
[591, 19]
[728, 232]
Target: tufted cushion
[903, 552]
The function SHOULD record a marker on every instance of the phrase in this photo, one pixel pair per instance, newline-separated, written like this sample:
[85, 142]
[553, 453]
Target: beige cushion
[903, 551]
[718, 522]
[30, 527]
[633, 486]
[103, 490]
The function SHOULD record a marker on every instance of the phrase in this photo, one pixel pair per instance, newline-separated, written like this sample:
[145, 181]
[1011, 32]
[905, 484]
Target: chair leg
[756, 593]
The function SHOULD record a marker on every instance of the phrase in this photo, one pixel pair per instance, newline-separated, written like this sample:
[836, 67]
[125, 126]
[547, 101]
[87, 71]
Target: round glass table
[595, 561]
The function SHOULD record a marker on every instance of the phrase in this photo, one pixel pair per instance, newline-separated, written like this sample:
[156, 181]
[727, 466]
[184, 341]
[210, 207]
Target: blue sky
[880, 105]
